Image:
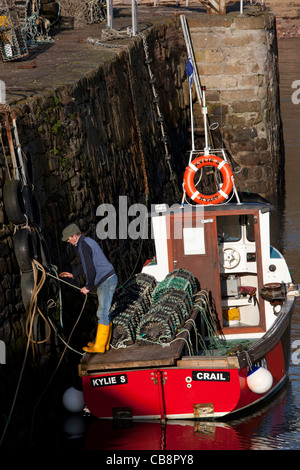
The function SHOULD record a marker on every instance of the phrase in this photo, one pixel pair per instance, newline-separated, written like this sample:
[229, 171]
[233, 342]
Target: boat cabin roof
[248, 203]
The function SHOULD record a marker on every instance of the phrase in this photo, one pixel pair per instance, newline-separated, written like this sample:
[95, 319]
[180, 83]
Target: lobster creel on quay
[204, 330]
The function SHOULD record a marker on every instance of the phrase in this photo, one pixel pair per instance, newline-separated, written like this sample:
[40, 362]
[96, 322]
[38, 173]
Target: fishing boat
[228, 345]
[204, 330]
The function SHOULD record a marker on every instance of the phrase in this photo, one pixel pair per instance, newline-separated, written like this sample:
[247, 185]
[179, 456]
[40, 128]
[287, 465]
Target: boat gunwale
[238, 360]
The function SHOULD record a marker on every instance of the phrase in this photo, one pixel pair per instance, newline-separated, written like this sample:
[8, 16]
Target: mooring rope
[33, 309]
[29, 333]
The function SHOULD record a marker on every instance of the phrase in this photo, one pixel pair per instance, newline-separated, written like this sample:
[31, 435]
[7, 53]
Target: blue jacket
[94, 264]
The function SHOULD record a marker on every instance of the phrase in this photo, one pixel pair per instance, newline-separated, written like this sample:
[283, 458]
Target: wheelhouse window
[229, 228]
[233, 228]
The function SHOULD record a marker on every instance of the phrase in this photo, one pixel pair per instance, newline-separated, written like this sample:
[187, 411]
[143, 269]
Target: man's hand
[65, 274]
[84, 290]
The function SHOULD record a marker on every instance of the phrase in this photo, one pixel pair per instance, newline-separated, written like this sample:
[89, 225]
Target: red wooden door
[193, 246]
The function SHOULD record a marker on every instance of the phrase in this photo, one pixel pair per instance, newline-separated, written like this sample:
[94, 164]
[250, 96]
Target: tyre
[25, 248]
[27, 198]
[17, 202]
[43, 252]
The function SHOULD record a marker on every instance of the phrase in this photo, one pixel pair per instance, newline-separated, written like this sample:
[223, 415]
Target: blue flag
[190, 71]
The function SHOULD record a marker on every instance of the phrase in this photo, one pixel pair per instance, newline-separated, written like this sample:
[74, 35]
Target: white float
[73, 400]
[259, 380]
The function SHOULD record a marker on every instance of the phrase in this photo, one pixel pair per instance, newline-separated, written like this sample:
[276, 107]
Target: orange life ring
[194, 166]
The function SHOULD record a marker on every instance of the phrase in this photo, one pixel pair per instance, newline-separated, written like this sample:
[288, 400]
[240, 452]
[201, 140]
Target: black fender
[17, 202]
[43, 255]
[25, 246]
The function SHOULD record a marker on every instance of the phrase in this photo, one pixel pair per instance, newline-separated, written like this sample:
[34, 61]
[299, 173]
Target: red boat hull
[173, 392]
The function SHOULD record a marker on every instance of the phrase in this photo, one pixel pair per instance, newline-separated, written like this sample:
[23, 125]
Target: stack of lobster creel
[147, 312]
[22, 210]
[172, 302]
[130, 304]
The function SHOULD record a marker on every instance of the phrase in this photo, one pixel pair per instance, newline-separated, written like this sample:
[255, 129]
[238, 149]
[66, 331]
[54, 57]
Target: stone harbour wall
[237, 62]
[99, 138]
[89, 143]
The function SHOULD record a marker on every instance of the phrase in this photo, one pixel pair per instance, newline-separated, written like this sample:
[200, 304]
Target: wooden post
[215, 7]
[222, 10]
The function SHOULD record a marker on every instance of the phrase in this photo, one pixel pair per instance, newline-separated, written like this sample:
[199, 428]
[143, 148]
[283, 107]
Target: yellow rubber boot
[109, 337]
[90, 344]
[101, 340]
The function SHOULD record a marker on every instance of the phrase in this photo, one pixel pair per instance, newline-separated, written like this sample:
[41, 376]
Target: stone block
[243, 134]
[199, 22]
[235, 95]
[242, 146]
[240, 40]
[261, 144]
[253, 22]
[211, 69]
[248, 81]
[218, 109]
[206, 40]
[53, 162]
[213, 95]
[209, 56]
[263, 158]
[235, 68]
[246, 106]
[220, 81]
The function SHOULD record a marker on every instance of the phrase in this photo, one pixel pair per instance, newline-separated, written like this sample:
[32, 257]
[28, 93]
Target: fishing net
[83, 12]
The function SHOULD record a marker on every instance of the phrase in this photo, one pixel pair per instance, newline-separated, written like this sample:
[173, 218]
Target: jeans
[105, 292]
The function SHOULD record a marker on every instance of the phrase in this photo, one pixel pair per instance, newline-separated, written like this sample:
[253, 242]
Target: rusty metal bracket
[203, 410]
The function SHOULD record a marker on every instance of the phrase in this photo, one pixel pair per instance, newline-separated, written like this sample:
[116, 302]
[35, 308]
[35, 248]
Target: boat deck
[136, 355]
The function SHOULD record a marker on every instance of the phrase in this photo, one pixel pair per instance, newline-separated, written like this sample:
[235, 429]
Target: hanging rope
[33, 309]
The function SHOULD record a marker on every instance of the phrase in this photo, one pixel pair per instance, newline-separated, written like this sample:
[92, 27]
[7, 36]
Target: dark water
[277, 424]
